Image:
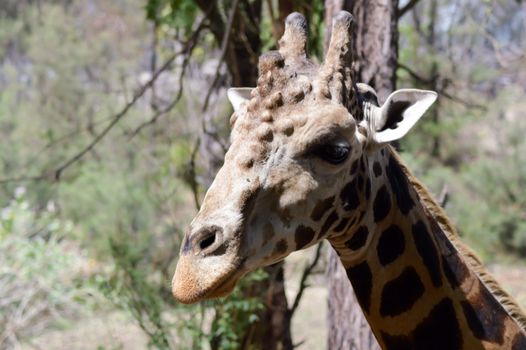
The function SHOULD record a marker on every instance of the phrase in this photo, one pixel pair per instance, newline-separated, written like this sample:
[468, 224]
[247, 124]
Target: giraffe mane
[430, 204]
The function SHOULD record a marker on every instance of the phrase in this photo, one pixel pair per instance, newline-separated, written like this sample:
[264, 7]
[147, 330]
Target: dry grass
[113, 331]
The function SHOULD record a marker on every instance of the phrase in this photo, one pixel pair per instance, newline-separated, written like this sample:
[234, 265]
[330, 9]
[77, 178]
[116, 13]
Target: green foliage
[314, 10]
[499, 180]
[131, 289]
[317, 28]
[236, 314]
[472, 141]
[110, 201]
[179, 14]
[39, 270]
[138, 288]
[485, 183]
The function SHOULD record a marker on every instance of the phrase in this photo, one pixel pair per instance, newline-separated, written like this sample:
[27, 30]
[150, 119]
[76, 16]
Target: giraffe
[310, 160]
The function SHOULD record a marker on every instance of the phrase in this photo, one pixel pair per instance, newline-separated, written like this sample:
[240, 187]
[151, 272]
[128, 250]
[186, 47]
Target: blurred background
[114, 120]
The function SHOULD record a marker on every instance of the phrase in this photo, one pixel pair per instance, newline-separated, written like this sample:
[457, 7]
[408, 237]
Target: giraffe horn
[335, 75]
[293, 43]
[339, 53]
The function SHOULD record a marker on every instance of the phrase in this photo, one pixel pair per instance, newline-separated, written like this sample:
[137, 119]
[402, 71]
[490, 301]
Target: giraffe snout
[208, 266]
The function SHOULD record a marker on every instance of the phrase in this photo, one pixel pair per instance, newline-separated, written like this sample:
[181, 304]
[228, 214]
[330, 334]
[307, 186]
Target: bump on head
[287, 77]
[274, 101]
[270, 66]
[269, 61]
[264, 133]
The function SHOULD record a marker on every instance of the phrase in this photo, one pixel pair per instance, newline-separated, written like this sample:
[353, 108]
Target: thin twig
[188, 49]
[271, 11]
[55, 174]
[415, 75]
[402, 11]
[25, 178]
[164, 111]
[116, 118]
[215, 136]
[495, 44]
[443, 198]
[303, 281]
[63, 138]
[224, 47]
[442, 92]
[463, 102]
[193, 174]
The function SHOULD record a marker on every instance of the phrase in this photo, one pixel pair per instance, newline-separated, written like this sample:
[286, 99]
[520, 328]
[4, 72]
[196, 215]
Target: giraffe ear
[400, 112]
[238, 96]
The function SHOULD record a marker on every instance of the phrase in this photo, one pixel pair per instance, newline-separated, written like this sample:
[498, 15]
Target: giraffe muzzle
[209, 265]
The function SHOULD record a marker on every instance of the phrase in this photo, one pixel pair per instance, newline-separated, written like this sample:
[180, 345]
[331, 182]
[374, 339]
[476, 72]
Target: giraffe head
[296, 141]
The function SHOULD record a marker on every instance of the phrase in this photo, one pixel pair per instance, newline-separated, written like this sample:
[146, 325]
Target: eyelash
[332, 153]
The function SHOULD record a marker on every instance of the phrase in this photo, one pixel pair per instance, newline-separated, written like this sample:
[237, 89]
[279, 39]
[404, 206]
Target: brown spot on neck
[303, 236]
[321, 208]
[281, 247]
[440, 330]
[485, 316]
[268, 233]
[519, 342]
[331, 219]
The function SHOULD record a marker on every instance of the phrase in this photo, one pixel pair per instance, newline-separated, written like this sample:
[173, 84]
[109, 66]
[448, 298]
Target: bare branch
[271, 11]
[116, 118]
[442, 91]
[24, 179]
[164, 111]
[462, 101]
[303, 281]
[187, 50]
[193, 175]
[298, 344]
[224, 47]
[403, 10]
[443, 198]
[54, 175]
[65, 137]
[415, 75]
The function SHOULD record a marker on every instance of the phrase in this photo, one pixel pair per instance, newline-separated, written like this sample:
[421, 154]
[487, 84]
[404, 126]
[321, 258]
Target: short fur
[472, 259]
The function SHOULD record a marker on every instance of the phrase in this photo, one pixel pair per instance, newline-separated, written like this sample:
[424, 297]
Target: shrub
[38, 270]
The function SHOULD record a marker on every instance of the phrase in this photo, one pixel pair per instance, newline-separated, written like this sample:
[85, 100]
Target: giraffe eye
[333, 153]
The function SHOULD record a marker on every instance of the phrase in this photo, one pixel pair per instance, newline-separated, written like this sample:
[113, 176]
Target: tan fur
[472, 259]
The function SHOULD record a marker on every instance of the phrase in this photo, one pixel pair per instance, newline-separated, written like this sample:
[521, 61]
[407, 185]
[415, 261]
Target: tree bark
[376, 53]
[348, 328]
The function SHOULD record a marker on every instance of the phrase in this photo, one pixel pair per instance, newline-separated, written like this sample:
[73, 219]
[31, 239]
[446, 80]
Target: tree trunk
[376, 54]
[348, 328]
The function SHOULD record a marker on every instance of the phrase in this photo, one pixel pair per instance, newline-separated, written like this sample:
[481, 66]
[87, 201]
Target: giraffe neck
[416, 286]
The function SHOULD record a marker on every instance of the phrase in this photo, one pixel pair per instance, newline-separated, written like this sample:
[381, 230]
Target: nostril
[207, 241]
